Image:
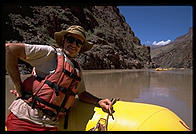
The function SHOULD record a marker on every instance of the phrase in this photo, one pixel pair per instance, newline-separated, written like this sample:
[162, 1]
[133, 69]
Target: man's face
[72, 44]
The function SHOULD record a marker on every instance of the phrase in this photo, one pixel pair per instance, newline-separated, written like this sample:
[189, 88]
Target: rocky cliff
[115, 45]
[177, 54]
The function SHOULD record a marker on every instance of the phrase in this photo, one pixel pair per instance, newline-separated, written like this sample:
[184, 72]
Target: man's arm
[14, 51]
[86, 97]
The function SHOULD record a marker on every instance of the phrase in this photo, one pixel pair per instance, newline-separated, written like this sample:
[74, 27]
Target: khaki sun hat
[75, 29]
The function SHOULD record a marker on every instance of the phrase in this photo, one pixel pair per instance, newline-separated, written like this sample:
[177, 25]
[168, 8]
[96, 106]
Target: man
[49, 93]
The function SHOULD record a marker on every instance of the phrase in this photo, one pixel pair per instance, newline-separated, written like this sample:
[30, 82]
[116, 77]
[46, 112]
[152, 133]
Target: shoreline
[101, 71]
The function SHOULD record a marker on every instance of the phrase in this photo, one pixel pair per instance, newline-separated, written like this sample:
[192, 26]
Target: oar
[110, 112]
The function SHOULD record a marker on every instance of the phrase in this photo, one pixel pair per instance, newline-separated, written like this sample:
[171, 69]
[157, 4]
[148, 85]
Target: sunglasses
[71, 39]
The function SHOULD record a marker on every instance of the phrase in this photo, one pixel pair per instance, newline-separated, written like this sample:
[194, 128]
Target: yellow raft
[128, 116]
[161, 69]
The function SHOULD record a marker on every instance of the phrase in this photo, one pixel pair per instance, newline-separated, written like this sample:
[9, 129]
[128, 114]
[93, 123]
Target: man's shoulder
[40, 47]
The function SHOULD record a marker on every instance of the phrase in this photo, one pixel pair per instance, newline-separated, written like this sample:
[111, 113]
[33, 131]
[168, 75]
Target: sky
[158, 25]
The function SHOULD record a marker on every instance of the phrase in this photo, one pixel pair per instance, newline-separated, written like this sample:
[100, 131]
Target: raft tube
[128, 116]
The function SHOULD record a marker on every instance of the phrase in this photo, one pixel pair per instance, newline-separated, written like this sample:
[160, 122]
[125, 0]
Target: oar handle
[113, 102]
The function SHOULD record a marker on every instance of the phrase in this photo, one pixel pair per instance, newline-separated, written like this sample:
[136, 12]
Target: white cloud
[161, 42]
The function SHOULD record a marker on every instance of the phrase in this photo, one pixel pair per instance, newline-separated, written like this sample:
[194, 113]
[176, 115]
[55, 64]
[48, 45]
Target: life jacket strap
[61, 109]
[39, 78]
[66, 121]
[59, 88]
[72, 75]
[36, 98]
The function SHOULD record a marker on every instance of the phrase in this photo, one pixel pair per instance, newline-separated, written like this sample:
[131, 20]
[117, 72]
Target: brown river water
[172, 89]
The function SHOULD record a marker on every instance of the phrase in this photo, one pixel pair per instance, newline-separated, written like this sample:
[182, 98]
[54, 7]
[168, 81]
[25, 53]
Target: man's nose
[74, 43]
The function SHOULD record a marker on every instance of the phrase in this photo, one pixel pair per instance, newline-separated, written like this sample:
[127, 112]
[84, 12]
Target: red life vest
[56, 92]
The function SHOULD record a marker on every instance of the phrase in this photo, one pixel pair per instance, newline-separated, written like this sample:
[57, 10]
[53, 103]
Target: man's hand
[14, 92]
[105, 104]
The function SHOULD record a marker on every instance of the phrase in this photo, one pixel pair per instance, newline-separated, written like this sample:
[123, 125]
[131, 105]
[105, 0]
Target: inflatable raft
[161, 69]
[128, 116]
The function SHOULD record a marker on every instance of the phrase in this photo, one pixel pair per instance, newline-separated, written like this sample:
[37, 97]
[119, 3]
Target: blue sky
[158, 24]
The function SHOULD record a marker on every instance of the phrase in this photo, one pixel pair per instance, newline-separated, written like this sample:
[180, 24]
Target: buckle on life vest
[47, 114]
[34, 101]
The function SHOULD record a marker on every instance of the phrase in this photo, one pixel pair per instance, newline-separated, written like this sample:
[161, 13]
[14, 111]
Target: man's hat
[75, 29]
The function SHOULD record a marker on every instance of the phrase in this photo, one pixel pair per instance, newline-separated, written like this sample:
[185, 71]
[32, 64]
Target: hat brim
[59, 37]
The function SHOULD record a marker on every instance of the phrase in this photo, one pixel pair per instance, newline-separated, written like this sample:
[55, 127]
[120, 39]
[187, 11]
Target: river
[172, 89]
